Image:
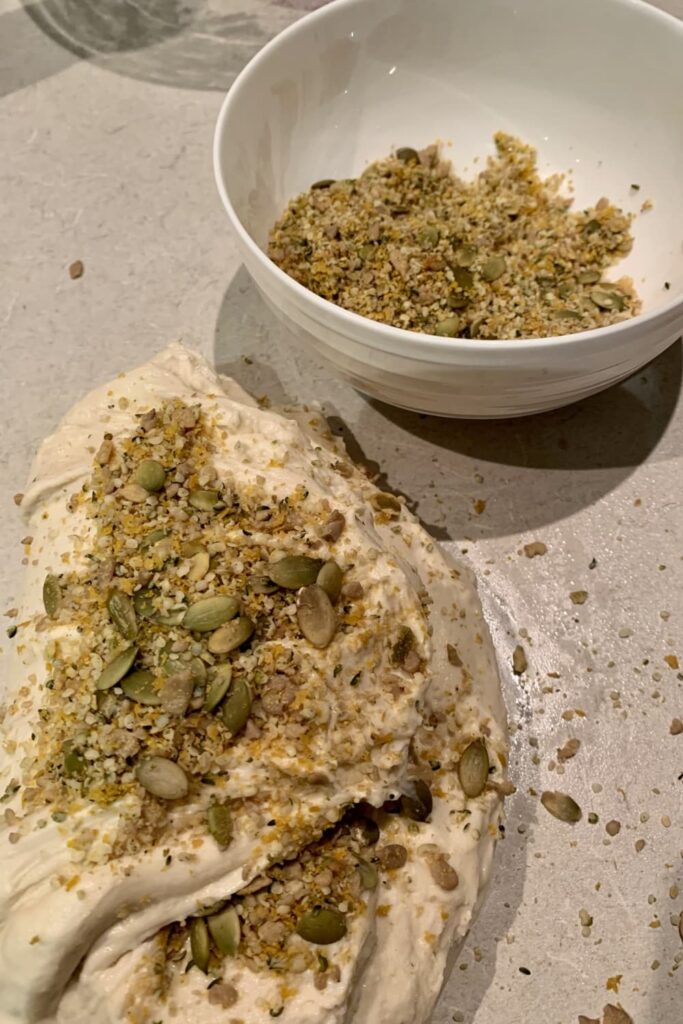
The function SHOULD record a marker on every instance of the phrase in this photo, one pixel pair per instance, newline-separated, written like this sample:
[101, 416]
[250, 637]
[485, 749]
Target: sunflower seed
[369, 875]
[210, 612]
[473, 769]
[122, 613]
[416, 801]
[330, 579]
[225, 930]
[219, 823]
[322, 926]
[134, 493]
[493, 268]
[237, 706]
[52, 595]
[117, 668]
[162, 778]
[315, 615]
[199, 566]
[219, 684]
[150, 474]
[204, 500]
[231, 636]
[561, 806]
[199, 944]
[139, 686]
[295, 571]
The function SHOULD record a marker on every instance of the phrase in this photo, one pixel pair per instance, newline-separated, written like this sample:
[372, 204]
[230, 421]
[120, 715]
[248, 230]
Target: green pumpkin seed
[493, 268]
[204, 500]
[473, 769]
[407, 155]
[382, 501]
[322, 926]
[447, 328]
[150, 474]
[231, 636]
[323, 183]
[237, 707]
[210, 612]
[315, 615]
[416, 802]
[198, 671]
[52, 595]
[74, 763]
[365, 252]
[153, 538]
[122, 613]
[220, 678]
[261, 585]
[458, 300]
[143, 602]
[162, 778]
[174, 617]
[564, 290]
[430, 235]
[295, 571]
[330, 578]
[225, 930]
[561, 806]
[463, 277]
[567, 314]
[603, 299]
[117, 668]
[219, 823]
[139, 686]
[545, 280]
[199, 944]
[589, 277]
[369, 875]
[211, 908]
[466, 255]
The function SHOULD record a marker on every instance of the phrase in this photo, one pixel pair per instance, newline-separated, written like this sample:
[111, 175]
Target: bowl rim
[386, 336]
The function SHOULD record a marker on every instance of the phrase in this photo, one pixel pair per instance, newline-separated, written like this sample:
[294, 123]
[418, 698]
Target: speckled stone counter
[106, 118]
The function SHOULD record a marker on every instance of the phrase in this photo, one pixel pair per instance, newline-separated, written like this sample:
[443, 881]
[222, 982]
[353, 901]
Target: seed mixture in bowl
[410, 244]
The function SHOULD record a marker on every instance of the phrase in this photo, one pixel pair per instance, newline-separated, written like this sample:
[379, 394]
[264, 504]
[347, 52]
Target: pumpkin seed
[225, 930]
[416, 801]
[458, 300]
[447, 328]
[74, 763]
[143, 602]
[493, 268]
[382, 501]
[564, 290]
[162, 778]
[122, 613]
[561, 806]
[330, 578]
[204, 500]
[174, 617]
[117, 668]
[211, 908]
[473, 769]
[322, 926]
[545, 280]
[139, 686]
[176, 692]
[134, 493]
[219, 684]
[210, 612]
[369, 875]
[153, 538]
[406, 154]
[231, 636]
[366, 251]
[603, 299]
[589, 277]
[52, 595]
[199, 944]
[200, 566]
[430, 235]
[295, 571]
[198, 671]
[261, 585]
[323, 183]
[150, 474]
[466, 255]
[237, 707]
[591, 226]
[315, 615]
[463, 277]
[567, 314]
[219, 823]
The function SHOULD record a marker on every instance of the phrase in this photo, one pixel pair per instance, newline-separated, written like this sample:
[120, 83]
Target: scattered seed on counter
[535, 549]
[578, 596]
[569, 750]
[613, 828]
[676, 727]
[76, 270]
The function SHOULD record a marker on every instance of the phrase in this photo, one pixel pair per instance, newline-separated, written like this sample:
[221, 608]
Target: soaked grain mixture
[408, 243]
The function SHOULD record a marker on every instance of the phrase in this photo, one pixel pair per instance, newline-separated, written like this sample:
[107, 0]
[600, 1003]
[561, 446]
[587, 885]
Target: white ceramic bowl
[596, 85]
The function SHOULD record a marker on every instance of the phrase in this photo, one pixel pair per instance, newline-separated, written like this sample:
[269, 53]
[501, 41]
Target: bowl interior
[596, 87]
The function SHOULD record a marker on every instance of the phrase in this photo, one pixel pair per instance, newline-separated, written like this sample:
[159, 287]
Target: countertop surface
[106, 118]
